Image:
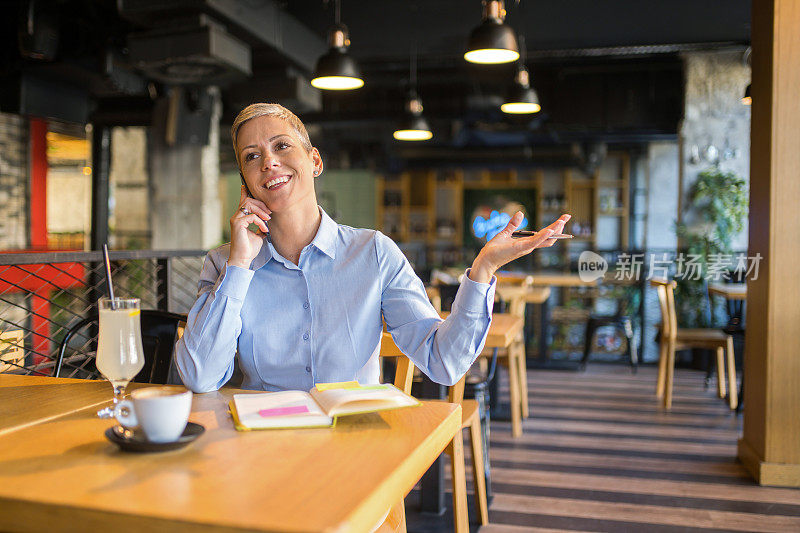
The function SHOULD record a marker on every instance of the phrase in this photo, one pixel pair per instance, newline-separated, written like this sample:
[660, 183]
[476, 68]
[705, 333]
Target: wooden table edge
[366, 516]
[24, 515]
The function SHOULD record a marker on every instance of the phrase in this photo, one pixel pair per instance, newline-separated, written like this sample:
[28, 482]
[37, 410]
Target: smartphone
[246, 188]
[531, 233]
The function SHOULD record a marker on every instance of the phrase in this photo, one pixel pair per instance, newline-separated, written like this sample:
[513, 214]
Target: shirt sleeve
[205, 354]
[443, 349]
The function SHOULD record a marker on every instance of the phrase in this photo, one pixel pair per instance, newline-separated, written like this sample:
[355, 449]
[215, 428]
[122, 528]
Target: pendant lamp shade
[413, 127]
[493, 41]
[336, 70]
[521, 99]
[747, 99]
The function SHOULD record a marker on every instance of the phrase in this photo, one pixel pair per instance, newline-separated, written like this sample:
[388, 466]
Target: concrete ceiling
[605, 69]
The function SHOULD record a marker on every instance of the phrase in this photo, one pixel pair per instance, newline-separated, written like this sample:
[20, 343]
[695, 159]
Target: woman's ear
[317, 159]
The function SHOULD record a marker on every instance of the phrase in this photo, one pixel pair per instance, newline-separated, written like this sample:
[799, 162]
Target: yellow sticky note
[134, 312]
[341, 385]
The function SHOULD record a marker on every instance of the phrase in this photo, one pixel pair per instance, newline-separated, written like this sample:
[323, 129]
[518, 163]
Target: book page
[279, 409]
[365, 398]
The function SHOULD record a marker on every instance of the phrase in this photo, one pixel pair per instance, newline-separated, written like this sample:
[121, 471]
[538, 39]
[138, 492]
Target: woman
[301, 299]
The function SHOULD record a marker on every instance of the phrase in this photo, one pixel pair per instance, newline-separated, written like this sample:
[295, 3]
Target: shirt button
[305, 305]
[299, 273]
[308, 369]
[305, 336]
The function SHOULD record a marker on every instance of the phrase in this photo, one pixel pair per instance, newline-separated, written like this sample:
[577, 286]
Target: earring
[316, 173]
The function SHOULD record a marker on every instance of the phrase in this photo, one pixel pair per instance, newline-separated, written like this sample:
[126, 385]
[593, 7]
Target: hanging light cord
[413, 67]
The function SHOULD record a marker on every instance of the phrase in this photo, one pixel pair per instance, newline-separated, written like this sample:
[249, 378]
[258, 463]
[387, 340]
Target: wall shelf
[426, 206]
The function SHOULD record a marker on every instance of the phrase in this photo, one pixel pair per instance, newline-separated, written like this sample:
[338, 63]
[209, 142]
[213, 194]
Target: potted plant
[720, 199]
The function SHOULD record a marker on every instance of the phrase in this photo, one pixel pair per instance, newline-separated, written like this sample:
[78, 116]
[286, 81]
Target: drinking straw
[108, 276]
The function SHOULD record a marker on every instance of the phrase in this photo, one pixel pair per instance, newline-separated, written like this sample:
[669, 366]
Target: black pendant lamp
[413, 127]
[337, 70]
[521, 98]
[747, 99]
[493, 41]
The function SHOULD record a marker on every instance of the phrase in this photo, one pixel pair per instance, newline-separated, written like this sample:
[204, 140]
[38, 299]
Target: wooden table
[63, 396]
[530, 295]
[545, 279]
[549, 279]
[729, 291]
[59, 472]
[735, 295]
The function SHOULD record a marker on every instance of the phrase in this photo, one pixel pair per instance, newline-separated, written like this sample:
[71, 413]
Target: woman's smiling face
[277, 168]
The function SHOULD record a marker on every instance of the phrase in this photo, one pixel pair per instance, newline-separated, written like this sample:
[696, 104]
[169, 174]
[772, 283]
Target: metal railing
[42, 295]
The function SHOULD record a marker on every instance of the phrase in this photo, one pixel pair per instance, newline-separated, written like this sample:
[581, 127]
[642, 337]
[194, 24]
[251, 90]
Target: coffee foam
[157, 392]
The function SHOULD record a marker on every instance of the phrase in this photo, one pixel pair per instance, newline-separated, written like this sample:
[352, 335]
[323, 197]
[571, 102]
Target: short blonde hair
[269, 110]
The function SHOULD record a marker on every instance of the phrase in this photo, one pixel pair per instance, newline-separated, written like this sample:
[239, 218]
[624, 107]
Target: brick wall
[13, 182]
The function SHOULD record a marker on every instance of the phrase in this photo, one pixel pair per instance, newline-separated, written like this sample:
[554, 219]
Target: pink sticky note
[283, 411]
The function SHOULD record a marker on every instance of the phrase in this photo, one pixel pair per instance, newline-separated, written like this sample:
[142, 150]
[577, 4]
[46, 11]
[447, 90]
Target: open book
[320, 407]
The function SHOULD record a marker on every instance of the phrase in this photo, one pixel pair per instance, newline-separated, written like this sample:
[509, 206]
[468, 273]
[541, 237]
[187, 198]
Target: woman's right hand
[246, 244]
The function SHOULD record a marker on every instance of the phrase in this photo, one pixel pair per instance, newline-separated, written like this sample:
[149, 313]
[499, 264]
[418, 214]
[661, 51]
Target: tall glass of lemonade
[119, 344]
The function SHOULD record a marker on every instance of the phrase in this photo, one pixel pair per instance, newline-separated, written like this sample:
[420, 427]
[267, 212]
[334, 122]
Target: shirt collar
[328, 231]
[324, 241]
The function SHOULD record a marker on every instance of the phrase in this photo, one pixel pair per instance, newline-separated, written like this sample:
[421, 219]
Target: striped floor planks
[599, 454]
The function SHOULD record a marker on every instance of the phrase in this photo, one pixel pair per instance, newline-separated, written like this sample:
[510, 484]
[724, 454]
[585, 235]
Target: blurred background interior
[633, 116]
[115, 120]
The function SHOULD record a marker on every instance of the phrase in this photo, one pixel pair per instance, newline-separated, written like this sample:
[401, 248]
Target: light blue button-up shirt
[320, 321]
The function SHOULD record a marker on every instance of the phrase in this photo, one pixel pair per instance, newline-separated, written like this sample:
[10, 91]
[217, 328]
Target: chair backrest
[159, 333]
[404, 368]
[447, 294]
[405, 371]
[666, 300]
[435, 296]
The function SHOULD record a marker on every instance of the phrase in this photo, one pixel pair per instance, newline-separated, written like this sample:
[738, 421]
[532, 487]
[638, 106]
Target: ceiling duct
[291, 89]
[38, 33]
[592, 155]
[558, 155]
[196, 51]
[258, 23]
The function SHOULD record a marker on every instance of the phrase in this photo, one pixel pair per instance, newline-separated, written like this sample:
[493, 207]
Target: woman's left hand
[504, 248]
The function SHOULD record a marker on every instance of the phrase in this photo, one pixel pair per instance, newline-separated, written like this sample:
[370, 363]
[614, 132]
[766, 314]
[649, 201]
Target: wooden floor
[599, 454]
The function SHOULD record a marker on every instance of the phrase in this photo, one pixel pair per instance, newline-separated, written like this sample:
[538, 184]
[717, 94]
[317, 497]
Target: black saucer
[139, 443]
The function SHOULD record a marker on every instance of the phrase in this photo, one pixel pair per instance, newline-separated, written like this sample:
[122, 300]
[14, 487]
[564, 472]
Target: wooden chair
[160, 331]
[514, 358]
[470, 419]
[674, 339]
[403, 377]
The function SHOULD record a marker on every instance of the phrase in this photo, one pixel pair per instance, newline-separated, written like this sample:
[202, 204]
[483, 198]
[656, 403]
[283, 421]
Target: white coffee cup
[160, 412]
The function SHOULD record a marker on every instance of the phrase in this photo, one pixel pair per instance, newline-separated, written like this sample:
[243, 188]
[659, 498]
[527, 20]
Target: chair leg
[721, 371]
[484, 418]
[662, 367]
[523, 378]
[459, 480]
[478, 474]
[631, 350]
[514, 393]
[670, 374]
[733, 392]
[587, 342]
